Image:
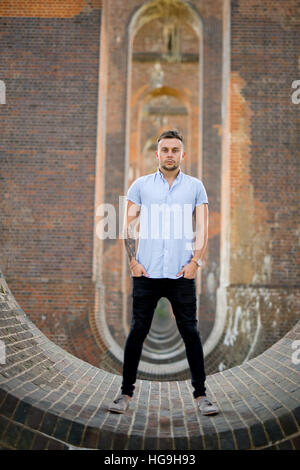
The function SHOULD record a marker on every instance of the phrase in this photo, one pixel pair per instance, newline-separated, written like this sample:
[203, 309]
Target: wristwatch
[197, 261]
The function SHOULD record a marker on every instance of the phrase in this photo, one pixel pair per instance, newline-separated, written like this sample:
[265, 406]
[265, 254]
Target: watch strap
[197, 261]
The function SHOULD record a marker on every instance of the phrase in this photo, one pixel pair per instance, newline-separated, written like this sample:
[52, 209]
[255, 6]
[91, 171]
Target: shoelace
[206, 401]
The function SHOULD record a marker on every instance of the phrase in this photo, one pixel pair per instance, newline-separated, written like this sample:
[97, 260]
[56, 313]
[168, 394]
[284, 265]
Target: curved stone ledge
[50, 399]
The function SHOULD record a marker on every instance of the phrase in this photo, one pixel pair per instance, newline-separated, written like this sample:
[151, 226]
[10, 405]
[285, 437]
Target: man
[165, 263]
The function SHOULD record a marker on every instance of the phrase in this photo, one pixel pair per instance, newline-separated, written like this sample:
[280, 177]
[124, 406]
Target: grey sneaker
[120, 404]
[206, 407]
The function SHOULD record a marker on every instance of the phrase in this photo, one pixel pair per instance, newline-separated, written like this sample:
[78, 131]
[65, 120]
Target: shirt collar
[178, 177]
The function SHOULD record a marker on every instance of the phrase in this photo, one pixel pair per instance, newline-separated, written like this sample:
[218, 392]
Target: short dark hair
[171, 134]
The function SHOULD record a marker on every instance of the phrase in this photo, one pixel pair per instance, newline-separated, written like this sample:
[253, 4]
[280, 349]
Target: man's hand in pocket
[138, 270]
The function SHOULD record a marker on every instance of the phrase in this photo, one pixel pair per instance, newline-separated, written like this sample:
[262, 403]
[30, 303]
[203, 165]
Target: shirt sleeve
[201, 196]
[134, 193]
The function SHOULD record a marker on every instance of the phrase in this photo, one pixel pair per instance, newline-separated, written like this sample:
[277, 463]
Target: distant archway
[164, 91]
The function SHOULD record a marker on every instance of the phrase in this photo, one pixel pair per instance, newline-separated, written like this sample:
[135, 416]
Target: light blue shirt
[166, 238]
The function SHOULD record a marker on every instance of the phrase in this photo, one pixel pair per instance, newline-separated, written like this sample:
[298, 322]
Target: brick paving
[50, 399]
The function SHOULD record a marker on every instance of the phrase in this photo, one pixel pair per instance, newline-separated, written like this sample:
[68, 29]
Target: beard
[170, 167]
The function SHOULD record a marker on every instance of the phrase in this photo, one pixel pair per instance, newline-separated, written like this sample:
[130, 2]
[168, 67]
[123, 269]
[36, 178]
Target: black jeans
[146, 293]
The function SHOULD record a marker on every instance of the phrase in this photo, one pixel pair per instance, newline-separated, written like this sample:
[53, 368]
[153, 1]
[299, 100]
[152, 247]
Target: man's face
[170, 153]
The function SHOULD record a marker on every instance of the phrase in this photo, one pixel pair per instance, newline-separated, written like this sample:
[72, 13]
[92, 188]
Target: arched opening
[164, 91]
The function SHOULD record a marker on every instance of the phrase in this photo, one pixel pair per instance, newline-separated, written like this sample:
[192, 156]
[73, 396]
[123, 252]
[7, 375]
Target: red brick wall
[49, 64]
[259, 265]
[265, 62]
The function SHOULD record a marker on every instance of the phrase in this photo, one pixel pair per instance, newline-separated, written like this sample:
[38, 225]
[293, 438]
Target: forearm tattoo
[130, 242]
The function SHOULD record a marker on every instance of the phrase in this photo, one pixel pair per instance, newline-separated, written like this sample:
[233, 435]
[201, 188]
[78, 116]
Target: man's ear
[156, 153]
[183, 154]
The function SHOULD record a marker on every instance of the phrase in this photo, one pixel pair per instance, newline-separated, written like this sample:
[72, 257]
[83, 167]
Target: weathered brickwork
[261, 197]
[49, 62]
[50, 9]
[265, 126]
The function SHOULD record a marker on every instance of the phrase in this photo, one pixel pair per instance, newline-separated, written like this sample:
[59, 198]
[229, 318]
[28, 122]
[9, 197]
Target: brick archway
[107, 329]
